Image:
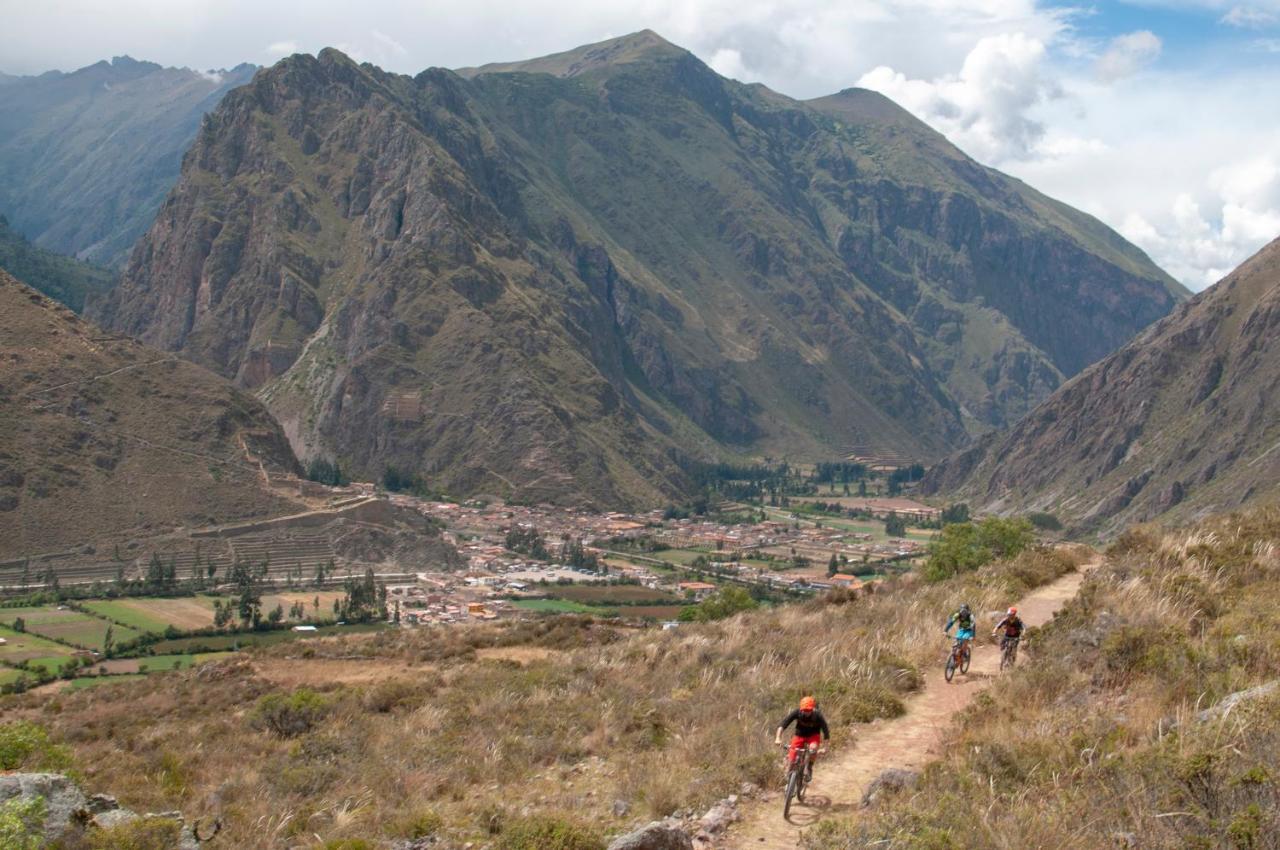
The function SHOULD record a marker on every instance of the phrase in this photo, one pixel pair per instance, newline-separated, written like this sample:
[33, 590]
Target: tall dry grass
[1119, 734]
[658, 720]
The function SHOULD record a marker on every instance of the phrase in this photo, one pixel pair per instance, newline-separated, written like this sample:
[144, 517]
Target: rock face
[658, 835]
[99, 434]
[1183, 421]
[564, 279]
[69, 812]
[87, 157]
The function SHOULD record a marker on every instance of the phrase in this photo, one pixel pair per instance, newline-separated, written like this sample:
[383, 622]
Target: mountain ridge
[1179, 423]
[87, 156]
[673, 267]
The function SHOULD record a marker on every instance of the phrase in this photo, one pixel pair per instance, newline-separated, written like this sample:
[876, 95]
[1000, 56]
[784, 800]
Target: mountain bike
[1008, 651]
[958, 657]
[799, 773]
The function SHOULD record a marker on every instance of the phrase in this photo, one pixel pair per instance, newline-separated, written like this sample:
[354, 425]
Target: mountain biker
[811, 730]
[1012, 625]
[965, 626]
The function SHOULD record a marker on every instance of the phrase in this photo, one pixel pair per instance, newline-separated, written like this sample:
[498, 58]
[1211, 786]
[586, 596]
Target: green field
[609, 594]
[64, 624]
[95, 681]
[22, 647]
[216, 643]
[160, 663]
[562, 606]
[155, 614]
[127, 611]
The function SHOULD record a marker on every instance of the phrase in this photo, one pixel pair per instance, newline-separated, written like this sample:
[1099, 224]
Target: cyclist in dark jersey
[1013, 626]
[811, 730]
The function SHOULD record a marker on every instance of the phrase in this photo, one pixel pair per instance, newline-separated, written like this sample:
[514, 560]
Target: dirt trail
[909, 741]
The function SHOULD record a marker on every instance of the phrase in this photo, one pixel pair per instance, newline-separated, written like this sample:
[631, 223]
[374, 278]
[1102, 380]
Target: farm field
[219, 643]
[95, 681]
[616, 594]
[24, 647]
[155, 614]
[62, 623]
[158, 663]
[561, 606]
[684, 557]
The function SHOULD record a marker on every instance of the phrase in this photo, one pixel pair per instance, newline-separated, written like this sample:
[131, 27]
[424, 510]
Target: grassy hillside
[64, 279]
[483, 731]
[100, 436]
[1137, 724]
[1181, 422]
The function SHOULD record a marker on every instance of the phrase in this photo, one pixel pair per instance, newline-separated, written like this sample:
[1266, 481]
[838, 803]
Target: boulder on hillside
[659, 835]
[69, 811]
[890, 781]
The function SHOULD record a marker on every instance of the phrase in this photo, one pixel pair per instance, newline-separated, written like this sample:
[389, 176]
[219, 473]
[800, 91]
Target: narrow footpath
[909, 741]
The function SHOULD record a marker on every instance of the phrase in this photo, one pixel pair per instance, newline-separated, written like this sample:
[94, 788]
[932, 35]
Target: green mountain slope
[1181, 422]
[567, 278]
[64, 279]
[100, 436]
[87, 157]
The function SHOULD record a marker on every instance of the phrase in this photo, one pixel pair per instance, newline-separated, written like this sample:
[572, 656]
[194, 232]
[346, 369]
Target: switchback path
[909, 741]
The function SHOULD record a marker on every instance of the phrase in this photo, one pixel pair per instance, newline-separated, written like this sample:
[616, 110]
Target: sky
[1160, 117]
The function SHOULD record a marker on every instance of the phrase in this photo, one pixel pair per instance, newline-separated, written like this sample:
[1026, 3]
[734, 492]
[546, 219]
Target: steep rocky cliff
[565, 278]
[100, 435]
[1181, 422]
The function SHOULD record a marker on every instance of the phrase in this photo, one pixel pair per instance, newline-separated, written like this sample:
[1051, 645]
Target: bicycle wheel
[964, 660]
[950, 669]
[792, 777]
[801, 784]
[1004, 657]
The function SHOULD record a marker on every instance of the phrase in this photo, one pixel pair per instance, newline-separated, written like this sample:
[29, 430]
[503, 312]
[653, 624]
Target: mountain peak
[623, 50]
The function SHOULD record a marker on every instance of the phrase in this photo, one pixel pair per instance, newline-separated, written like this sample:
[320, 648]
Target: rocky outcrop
[68, 811]
[659, 835]
[1183, 421]
[892, 780]
[568, 284]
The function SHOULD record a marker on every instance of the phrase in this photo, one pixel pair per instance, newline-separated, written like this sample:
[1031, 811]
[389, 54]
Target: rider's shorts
[802, 741]
[964, 634]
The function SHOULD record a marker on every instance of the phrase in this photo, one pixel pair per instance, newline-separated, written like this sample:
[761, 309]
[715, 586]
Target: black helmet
[964, 608]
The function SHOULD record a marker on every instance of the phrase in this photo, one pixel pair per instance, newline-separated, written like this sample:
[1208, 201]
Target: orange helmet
[1013, 611]
[808, 704]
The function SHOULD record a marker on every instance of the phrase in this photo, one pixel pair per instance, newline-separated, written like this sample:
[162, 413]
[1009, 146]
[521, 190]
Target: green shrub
[22, 824]
[347, 844]
[1044, 521]
[422, 824]
[289, 715]
[141, 834]
[26, 746]
[543, 832]
[725, 602]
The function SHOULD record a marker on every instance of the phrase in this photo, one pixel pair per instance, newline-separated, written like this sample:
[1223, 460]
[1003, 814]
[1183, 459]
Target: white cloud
[1127, 54]
[1187, 168]
[728, 63]
[1249, 17]
[282, 48]
[985, 107]
[212, 76]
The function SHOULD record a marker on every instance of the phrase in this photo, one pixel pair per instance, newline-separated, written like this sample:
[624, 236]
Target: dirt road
[909, 741]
